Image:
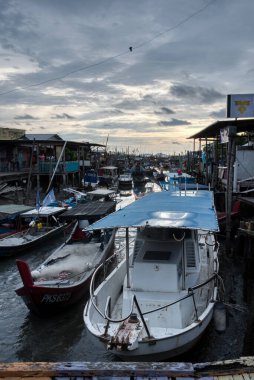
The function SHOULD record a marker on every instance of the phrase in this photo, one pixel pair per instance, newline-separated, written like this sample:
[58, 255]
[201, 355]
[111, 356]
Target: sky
[141, 76]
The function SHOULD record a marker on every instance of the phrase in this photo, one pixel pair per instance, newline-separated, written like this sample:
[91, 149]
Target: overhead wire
[130, 49]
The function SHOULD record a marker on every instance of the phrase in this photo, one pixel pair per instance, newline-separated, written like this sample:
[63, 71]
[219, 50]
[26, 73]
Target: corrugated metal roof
[186, 209]
[43, 137]
[213, 130]
[43, 211]
[90, 209]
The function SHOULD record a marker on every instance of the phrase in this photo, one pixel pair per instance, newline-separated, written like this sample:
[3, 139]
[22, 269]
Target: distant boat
[90, 179]
[107, 176]
[101, 194]
[158, 302]
[41, 225]
[64, 277]
[125, 183]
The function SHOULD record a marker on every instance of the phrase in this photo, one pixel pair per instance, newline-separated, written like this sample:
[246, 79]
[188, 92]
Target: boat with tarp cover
[159, 300]
[63, 278]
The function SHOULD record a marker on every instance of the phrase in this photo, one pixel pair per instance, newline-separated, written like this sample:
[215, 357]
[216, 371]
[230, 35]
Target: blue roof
[186, 209]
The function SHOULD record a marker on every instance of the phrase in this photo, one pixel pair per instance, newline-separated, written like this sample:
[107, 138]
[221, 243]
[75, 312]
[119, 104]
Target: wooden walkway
[240, 369]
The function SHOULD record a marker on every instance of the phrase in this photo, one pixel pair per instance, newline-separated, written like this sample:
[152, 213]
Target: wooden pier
[239, 369]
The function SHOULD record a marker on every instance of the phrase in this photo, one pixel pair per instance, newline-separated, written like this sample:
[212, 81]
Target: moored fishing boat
[107, 176]
[64, 277]
[36, 226]
[158, 302]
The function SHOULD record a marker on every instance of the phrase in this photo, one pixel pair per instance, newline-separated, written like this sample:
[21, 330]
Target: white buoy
[219, 316]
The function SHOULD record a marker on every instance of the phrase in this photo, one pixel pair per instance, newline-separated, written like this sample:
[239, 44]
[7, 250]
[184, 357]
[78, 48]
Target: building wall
[244, 163]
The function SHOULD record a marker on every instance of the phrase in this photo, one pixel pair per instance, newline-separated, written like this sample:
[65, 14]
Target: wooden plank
[76, 369]
[27, 378]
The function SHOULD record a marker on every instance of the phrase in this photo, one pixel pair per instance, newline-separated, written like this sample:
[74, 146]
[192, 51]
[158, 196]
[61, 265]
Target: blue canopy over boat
[186, 209]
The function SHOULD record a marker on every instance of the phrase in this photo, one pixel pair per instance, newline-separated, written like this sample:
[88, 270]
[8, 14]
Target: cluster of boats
[152, 303]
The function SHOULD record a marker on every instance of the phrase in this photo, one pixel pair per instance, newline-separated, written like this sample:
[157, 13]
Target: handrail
[108, 302]
[91, 287]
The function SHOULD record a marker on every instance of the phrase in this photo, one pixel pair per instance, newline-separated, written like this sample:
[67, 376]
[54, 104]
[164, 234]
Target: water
[26, 337]
[63, 337]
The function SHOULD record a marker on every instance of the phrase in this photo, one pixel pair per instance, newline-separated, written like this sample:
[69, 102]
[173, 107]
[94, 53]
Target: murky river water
[26, 337]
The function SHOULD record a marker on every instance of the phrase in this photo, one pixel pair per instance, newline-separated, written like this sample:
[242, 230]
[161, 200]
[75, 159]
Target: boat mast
[59, 159]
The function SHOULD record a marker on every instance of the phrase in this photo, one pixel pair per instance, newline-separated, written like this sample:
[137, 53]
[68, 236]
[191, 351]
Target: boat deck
[239, 369]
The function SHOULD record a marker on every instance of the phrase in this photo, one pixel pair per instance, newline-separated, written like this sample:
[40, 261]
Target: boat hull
[11, 250]
[45, 300]
[163, 349]
[168, 347]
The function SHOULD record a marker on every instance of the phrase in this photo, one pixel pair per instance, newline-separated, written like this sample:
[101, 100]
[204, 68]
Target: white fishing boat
[159, 300]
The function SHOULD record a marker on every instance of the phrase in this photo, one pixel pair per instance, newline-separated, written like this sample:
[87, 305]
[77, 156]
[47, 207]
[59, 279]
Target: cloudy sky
[143, 74]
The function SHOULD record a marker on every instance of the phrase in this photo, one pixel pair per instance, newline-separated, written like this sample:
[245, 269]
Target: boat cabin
[45, 217]
[164, 255]
[101, 195]
[165, 263]
[107, 175]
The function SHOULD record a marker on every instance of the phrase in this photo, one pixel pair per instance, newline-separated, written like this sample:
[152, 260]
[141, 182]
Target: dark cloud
[196, 94]
[54, 58]
[63, 116]
[173, 122]
[25, 117]
[164, 110]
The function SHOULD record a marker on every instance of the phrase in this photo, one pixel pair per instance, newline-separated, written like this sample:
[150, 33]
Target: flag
[50, 198]
[38, 205]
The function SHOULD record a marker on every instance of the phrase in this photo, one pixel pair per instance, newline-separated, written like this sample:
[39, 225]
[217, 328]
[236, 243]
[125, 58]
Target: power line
[131, 48]
[175, 26]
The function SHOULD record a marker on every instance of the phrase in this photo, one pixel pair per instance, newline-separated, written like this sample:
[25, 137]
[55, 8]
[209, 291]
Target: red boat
[64, 277]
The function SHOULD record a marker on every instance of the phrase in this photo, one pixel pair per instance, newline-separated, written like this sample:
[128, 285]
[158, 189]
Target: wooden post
[229, 190]
[38, 166]
[30, 169]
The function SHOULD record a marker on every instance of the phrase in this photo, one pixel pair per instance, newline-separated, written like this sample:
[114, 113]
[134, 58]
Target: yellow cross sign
[242, 105]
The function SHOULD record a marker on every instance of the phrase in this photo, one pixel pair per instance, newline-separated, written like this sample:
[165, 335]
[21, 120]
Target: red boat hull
[44, 300]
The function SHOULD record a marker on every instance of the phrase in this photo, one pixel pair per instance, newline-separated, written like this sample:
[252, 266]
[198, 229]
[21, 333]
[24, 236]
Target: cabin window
[157, 255]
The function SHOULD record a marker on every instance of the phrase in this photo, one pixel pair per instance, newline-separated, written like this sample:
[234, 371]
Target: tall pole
[229, 190]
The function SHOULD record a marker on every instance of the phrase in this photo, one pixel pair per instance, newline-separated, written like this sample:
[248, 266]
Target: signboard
[224, 135]
[241, 105]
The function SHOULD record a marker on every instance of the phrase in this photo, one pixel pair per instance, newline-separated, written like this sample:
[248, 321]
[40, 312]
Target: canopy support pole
[127, 258]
